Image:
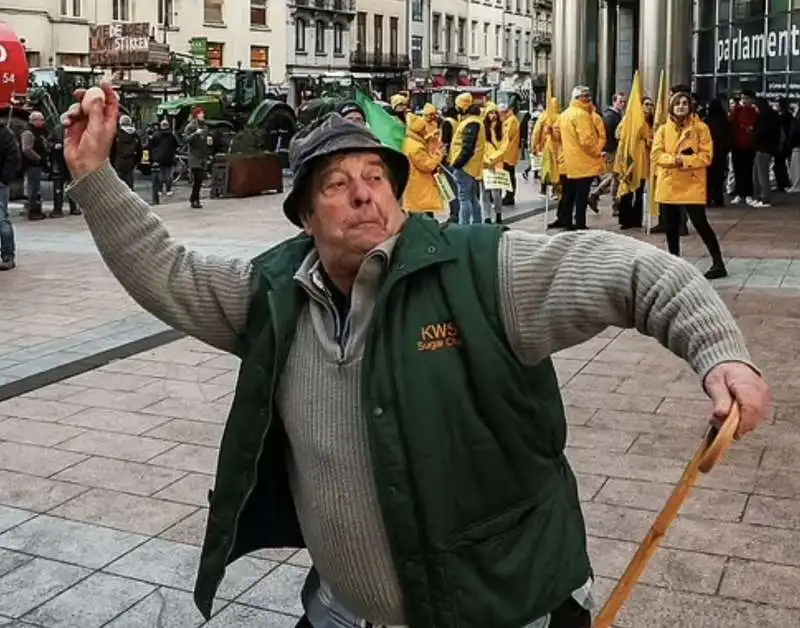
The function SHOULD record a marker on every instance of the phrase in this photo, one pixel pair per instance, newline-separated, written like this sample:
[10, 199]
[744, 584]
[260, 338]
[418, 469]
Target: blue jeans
[471, 211]
[7, 248]
[33, 177]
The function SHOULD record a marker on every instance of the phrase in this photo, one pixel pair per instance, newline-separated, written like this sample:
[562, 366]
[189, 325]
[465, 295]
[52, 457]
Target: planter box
[250, 175]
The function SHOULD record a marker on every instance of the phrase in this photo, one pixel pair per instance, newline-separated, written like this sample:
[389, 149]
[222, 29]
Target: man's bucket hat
[332, 135]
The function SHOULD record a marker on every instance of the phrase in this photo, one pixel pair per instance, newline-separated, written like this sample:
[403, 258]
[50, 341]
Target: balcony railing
[378, 60]
[455, 59]
[340, 6]
[542, 38]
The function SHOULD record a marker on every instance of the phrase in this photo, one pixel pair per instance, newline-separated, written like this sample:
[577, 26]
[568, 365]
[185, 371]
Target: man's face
[355, 208]
[38, 123]
[620, 102]
[585, 96]
[648, 106]
[355, 117]
[746, 100]
[201, 117]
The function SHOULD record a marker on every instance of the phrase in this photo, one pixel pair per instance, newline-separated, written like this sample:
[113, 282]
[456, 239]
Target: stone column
[679, 17]
[574, 46]
[652, 43]
[606, 51]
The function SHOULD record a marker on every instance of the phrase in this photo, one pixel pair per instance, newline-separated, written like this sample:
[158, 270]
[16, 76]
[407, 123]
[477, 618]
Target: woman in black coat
[717, 120]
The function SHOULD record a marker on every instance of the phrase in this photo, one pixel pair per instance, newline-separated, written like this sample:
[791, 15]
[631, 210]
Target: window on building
[416, 52]
[69, 58]
[436, 31]
[361, 30]
[462, 35]
[120, 10]
[338, 38]
[259, 57]
[517, 48]
[473, 38]
[34, 58]
[519, 6]
[507, 50]
[528, 4]
[416, 11]
[378, 30]
[72, 8]
[394, 36]
[448, 33]
[319, 37]
[486, 39]
[498, 41]
[212, 11]
[166, 10]
[258, 13]
[214, 51]
[527, 50]
[300, 35]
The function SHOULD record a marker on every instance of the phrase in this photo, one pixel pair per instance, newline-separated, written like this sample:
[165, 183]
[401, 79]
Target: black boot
[717, 271]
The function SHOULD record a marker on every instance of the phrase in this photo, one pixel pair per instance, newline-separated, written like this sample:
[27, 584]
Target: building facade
[601, 42]
[419, 41]
[379, 53]
[486, 41]
[246, 32]
[449, 41]
[320, 42]
[747, 44]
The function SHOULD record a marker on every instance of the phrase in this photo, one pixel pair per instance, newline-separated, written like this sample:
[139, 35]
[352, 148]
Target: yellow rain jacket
[685, 183]
[421, 193]
[496, 144]
[511, 131]
[582, 139]
[474, 166]
[429, 113]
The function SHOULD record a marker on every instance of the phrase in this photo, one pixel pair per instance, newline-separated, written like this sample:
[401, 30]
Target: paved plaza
[108, 443]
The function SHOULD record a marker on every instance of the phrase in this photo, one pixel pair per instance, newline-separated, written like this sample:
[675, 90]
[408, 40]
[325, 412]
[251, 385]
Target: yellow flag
[548, 172]
[630, 162]
[659, 119]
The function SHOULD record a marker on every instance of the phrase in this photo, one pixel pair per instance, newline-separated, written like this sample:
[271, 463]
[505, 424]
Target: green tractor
[235, 99]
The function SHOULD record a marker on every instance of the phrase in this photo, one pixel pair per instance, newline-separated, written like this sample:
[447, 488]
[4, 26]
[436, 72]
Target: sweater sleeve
[556, 292]
[205, 297]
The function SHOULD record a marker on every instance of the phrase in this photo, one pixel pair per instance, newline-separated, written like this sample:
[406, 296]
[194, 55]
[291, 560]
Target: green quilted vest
[479, 502]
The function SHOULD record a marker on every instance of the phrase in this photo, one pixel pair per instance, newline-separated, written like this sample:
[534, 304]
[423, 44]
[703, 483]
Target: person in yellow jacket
[431, 117]
[424, 152]
[582, 139]
[399, 105]
[466, 158]
[511, 135]
[682, 150]
[496, 146]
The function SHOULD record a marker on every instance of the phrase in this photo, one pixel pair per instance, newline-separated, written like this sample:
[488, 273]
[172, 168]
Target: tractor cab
[240, 91]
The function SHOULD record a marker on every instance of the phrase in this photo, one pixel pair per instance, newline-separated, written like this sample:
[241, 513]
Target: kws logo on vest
[439, 336]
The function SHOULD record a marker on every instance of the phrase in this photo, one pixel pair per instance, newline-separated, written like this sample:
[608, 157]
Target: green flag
[389, 130]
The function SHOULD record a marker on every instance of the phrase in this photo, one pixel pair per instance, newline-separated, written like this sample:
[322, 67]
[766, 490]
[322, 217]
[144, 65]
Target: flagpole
[546, 206]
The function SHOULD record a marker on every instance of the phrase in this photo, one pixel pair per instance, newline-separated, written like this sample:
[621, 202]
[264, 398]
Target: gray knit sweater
[555, 292]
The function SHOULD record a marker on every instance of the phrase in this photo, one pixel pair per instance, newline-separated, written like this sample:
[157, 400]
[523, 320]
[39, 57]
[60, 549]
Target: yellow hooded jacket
[511, 132]
[496, 146]
[421, 193]
[582, 139]
[685, 183]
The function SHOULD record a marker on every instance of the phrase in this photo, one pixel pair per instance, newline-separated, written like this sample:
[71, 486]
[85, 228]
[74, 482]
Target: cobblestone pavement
[104, 476]
[61, 305]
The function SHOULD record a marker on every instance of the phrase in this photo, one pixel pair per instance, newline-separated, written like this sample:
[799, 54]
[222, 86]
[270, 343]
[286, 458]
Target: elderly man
[35, 151]
[397, 411]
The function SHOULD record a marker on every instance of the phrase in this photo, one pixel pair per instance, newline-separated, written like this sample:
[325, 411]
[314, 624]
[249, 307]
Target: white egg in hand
[92, 94]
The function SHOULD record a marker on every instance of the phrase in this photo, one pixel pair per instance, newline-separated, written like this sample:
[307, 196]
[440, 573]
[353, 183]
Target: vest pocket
[518, 566]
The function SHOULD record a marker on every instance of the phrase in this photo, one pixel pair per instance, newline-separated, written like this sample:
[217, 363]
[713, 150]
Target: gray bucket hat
[331, 135]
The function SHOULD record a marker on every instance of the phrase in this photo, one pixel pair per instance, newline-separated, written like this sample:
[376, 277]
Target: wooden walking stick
[716, 441]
